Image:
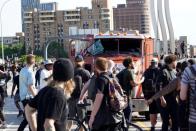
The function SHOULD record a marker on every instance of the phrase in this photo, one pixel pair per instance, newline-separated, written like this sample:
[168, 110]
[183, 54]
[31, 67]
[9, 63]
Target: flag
[96, 48]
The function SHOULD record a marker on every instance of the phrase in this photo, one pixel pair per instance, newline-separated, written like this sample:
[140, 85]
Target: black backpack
[150, 82]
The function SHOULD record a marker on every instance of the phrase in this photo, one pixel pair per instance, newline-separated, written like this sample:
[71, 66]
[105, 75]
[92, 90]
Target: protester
[168, 104]
[16, 95]
[51, 101]
[4, 78]
[90, 84]
[127, 82]
[149, 89]
[178, 69]
[102, 118]
[81, 76]
[27, 86]
[46, 74]
[38, 74]
[187, 92]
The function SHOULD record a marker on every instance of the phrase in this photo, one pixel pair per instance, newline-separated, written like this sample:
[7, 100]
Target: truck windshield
[120, 46]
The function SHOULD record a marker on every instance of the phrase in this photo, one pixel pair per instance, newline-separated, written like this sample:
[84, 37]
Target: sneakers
[3, 125]
[20, 113]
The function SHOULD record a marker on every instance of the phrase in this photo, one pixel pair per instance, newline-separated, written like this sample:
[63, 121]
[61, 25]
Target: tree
[13, 50]
[38, 59]
[56, 50]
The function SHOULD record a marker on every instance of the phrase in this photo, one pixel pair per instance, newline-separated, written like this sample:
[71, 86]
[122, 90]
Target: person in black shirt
[38, 74]
[168, 104]
[149, 89]
[127, 82]
[51, 102]
[81, 76]
[102, 118]
[16, 96]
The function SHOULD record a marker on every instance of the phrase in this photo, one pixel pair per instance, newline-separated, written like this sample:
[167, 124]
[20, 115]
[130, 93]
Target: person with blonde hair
[51, 102]
[27, 88]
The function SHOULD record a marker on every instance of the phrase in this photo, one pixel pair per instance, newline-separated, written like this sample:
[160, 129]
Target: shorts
[153, 109]
[74, 110]
[17, 97]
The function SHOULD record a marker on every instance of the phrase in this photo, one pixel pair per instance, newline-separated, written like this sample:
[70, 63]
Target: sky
[182, 13]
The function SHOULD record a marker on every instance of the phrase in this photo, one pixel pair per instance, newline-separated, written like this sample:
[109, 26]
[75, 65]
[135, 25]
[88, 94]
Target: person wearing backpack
[81, 76]
[188, 91]
[149, 89]
[102, 117]
[126, 80]
[167, 104]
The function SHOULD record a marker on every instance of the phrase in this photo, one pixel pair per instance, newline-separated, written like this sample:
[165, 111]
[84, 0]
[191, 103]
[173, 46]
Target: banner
[96, 48]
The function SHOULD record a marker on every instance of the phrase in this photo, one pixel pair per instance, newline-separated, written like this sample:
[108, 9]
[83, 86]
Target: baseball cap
[154, 60]
[48, 62]
[79, 58]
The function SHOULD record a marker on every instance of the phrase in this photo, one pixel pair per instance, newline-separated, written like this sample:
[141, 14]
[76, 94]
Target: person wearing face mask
[168, 103]
[149, 89]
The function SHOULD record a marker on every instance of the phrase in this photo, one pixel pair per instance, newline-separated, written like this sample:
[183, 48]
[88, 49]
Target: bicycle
[82, 125]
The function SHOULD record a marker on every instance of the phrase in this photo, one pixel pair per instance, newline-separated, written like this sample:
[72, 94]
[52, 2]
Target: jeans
[128, 110]
[170, 111]
[24, 123]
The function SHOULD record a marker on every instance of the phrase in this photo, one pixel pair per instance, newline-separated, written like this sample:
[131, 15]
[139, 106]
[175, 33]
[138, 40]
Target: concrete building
[192, 51]
[11, 40]
[30, 5]
[48, 6]
[42, 24]
[134, 15]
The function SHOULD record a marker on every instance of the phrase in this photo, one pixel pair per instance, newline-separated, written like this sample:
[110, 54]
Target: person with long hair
[51, 102]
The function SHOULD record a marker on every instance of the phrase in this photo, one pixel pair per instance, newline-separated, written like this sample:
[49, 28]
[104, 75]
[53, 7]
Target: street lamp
[1, 21]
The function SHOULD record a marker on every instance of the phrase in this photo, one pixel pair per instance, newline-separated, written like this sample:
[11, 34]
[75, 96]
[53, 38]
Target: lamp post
[2, 49]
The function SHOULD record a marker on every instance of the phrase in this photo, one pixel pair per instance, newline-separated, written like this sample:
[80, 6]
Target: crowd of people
[174, 108]
[51, 93]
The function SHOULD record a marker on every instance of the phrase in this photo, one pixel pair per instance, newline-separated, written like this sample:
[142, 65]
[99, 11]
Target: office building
[43, 24]
[134, 15]
[30, 5]
[48, 6]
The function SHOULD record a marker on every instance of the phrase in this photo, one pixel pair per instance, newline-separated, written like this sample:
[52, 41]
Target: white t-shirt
[44, 74]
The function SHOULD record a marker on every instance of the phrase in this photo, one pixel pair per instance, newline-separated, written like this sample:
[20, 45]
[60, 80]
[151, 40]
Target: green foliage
[56, 50]
[38, 59]
[17, 50]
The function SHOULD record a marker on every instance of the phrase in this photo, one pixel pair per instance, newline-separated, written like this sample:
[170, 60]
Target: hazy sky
[182, 13]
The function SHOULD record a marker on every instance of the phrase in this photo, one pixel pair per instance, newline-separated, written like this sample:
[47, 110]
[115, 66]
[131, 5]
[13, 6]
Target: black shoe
[20, 113]
[152, 129]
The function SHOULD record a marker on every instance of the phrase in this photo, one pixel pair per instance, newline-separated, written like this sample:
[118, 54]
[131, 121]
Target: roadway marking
[142, 125]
